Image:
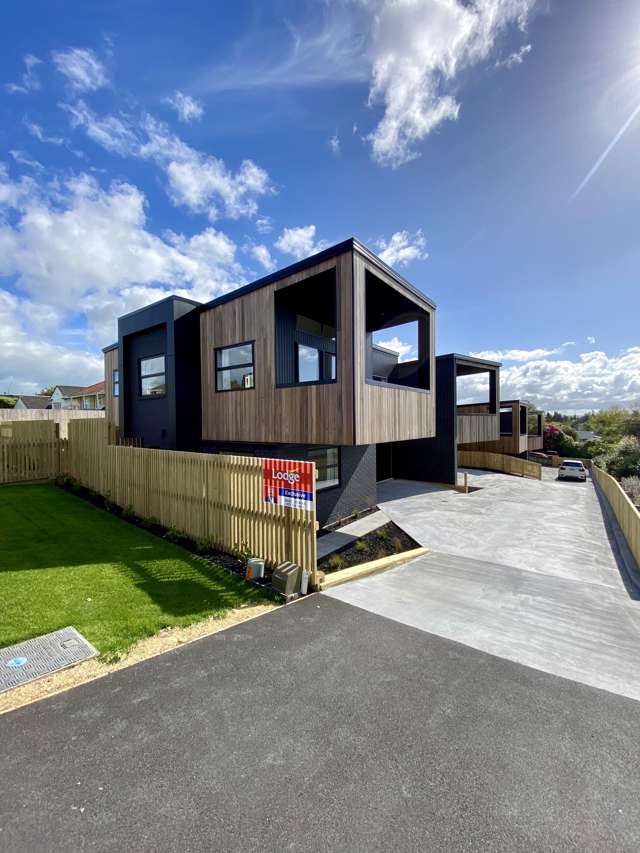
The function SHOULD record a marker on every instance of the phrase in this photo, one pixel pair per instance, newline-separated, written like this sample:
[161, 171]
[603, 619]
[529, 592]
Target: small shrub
[336, 562]
[631, 485]
[204, 546]
[243, 552]
[128, 514]
[355, 513]
[361, 546]
[396, 544]
[382, 534]
[149, 522]
[175, 536]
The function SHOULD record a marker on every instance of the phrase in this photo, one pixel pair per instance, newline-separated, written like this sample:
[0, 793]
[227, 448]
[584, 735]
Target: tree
[623, 459]
[47, 392]
[631, 425]
[608, 423]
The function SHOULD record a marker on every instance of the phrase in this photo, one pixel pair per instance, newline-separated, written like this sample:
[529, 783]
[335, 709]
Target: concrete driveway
[532, 571]
[321, 727]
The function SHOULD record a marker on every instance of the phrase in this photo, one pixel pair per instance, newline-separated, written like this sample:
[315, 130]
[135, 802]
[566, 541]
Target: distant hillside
[7, 402]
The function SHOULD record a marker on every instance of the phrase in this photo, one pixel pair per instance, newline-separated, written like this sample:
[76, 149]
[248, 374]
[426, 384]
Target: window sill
[307, 384]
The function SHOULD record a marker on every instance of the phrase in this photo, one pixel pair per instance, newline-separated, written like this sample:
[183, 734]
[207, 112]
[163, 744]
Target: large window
[314, 365]
[152, 377]
[115, 385]
[327, 461]
[235, 368]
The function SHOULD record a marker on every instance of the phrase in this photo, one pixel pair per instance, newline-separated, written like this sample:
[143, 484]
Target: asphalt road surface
[322, 726]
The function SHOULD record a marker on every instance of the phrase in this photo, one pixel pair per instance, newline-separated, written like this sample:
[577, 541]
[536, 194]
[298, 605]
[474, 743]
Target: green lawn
[64, 562]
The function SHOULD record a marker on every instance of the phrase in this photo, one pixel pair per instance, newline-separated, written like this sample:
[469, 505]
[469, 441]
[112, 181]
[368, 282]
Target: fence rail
[207, 496]
[623, 509]
[59, 416]
[500, 462]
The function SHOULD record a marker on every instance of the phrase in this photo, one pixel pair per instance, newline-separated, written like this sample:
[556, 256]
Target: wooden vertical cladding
[480, 427]
[300, 414]
[382, 412]
[514, 444]
[111, 403]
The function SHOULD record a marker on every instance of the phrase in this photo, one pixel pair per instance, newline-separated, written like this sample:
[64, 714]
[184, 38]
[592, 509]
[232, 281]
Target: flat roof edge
[110, 347]
[470, 358]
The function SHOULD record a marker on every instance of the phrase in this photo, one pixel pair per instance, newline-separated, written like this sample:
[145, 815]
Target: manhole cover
[32, 659]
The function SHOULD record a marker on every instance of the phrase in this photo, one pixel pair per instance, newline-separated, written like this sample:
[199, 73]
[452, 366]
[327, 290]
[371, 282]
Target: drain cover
[32, 659]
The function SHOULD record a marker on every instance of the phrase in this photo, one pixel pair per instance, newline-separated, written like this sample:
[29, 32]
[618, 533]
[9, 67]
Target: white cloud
[30, 82]
[42, 229]
[419, 48]
[406, 351]
[188, 108]
[262, 254]
[515, 58]
[521, 354]
[28, 361]
[201, 182]
[334, 143]
[23, 159]
[595, 381]
[82, 68]
[299, 242]
[592, 381]
[263, 225]
[37, 131]
[113, 133]
[402, 248]
[591, 339]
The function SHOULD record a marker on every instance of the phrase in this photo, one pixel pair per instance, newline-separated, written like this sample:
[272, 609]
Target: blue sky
[147, 148]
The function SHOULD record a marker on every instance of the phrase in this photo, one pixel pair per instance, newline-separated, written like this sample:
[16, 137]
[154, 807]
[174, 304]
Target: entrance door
[384, 469]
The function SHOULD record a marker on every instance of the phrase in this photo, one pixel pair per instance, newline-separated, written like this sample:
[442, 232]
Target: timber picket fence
[500, 462]
[218, 498]
[60, 416]
[29, 450]
[627, 515]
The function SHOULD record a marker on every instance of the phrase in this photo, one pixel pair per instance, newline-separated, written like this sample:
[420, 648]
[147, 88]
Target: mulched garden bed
[383, 542]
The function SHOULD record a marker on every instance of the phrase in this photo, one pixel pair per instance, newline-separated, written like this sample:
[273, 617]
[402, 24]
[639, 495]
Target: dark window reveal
[235, 367]
[152, 377]
[327, 461]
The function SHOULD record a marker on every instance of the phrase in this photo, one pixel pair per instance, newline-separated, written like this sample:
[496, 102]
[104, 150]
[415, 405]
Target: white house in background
[91, 397]
[62, 396]
[32, 401]
[586, 435]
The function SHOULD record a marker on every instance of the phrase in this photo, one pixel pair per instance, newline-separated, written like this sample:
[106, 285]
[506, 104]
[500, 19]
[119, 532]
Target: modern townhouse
[521, 428]
[288, 367]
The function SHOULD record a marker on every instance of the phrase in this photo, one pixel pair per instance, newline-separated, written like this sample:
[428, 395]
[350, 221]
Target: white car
[572, 469]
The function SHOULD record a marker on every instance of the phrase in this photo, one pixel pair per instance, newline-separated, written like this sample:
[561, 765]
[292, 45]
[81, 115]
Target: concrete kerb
[373, 567]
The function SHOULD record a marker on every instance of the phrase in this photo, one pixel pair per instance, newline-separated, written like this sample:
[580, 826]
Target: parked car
[572, 469]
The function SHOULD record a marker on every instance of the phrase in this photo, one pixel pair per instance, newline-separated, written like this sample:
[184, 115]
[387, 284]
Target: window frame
[251, 364]
[310, 458]
[115, 382]
[142, 396]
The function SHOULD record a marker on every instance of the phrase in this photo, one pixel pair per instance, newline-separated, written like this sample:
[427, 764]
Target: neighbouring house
[587, 435]
[62, 396]
[91, 397]
[288, 366]
[521, 426]
[32, 401]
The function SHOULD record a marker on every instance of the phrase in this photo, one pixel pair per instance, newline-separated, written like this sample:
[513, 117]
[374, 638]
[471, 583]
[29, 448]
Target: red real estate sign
[288, 483]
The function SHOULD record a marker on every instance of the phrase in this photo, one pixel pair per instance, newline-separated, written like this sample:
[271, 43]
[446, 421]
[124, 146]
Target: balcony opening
[306, 331]
[523, 420]
[506, 420]
[397, 337]
[534, 424]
